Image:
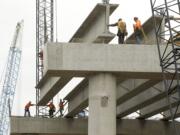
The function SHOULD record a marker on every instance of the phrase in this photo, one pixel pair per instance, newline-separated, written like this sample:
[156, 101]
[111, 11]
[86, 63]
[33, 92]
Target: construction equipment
[10, 80]
[44, 34]
[168, 48]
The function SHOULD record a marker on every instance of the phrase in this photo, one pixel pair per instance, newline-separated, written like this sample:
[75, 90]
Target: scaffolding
[168, 40]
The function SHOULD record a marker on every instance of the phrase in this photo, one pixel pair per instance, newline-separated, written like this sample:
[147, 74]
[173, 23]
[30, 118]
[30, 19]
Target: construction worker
[122, 31]
[41, 54]
[52, 109]
[26, 109]
[176, 39]
[61, 107]
[137, 30]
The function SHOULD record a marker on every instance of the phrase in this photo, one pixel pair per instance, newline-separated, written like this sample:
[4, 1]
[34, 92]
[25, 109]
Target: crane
[10, 79]
[169, 51]
[44, 34]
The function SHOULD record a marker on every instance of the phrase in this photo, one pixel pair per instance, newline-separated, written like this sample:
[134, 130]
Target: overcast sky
[71, 14]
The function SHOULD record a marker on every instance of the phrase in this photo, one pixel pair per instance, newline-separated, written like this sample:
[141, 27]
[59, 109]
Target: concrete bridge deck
[63, 126]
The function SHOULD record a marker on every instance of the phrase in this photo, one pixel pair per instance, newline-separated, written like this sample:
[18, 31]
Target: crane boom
[10, 80]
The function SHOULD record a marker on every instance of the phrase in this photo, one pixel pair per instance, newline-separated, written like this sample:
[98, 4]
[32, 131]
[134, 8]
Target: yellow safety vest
[122, 26]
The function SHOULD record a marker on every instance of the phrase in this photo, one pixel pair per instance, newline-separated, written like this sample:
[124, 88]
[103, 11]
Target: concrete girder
[159, 107]
[78, 98]
[78, 102]
[94, 28]
[62, 126]
[167, 114]
[139, 85]
[128, 61]
[141, 100]
[73, 59]
[51, 88]
[77, 89]
[125, 90]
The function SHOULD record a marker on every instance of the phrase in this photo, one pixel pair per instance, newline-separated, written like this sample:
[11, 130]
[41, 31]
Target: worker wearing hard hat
[52, 109]
[137, 30]
[122, 31]
[26, 109]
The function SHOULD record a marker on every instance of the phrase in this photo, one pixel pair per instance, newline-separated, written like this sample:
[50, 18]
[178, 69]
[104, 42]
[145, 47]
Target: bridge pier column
[102, 104]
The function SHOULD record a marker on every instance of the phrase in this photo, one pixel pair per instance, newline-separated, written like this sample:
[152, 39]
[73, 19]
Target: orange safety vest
[28, 105]
[137, 26]
[61, 105]
[51, 106]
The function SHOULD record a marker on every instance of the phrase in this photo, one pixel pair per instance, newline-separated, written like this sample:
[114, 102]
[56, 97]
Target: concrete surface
[141, 100]
[78, 98]
[126, 89]
[130, 61]
[102, 104]
[71, 59]
[51, 88]
[175, 111]
[61, 126]
[159, 107]
[93, 29]
[132, 87]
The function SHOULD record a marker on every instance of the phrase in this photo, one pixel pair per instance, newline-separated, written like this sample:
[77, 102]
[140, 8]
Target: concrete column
[102, 104]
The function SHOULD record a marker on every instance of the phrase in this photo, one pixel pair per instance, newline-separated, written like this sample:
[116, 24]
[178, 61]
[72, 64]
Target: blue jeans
[138, 40]
[26, 111]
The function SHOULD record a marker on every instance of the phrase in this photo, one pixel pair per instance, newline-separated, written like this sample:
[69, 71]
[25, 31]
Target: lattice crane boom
[168, 43]
[10, 79]
[44, 34]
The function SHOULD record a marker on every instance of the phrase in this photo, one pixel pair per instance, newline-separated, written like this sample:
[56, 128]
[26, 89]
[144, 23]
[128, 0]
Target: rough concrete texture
[62, 126]
[102, 104]
[145, 98]
[160, 106]
[93, 29]
[81, 59]
[70, 59]
[132, 91]
[167, 114]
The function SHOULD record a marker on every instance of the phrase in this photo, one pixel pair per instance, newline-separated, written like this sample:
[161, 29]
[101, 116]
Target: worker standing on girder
[52, 109]
[137, 30]
[26, 109]
[61, 107]
[122, 31]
